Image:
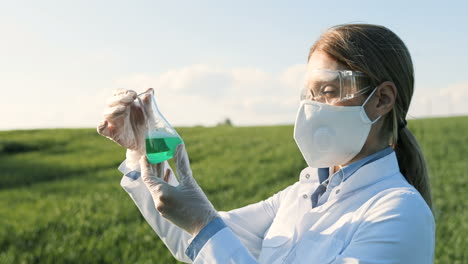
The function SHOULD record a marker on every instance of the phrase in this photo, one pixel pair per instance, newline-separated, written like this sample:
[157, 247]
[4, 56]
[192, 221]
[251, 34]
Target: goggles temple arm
[360, 92]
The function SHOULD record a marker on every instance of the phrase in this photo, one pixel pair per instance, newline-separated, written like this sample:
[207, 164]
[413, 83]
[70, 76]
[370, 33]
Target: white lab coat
[375, 216]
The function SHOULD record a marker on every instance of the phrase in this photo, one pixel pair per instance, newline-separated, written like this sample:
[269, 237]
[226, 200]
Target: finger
[101, 127]
[153, 169]
[148, 178]
[120, 91]
[183, 165]
[106, 129]
[114, 112]
[120, 99]
[126, 98]
[145, 168]
[160, 169]
[167, 175]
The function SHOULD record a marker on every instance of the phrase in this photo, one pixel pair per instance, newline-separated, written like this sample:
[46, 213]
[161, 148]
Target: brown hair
[382, 56]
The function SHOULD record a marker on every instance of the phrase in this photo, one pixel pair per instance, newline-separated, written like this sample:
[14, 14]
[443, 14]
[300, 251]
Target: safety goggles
[333, 86]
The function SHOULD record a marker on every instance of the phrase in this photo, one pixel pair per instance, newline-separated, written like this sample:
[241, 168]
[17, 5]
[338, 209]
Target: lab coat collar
[372, 173]
[366, 175]
[309, 175]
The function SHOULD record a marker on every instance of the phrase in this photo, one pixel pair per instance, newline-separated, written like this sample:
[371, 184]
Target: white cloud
[197, 80]
[451, 100]
[202, 94]
[294, 76]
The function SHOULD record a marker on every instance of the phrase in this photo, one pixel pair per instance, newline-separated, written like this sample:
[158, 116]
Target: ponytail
[412, 163]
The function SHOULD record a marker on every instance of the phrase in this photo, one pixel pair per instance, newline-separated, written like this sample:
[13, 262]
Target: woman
[364, 198]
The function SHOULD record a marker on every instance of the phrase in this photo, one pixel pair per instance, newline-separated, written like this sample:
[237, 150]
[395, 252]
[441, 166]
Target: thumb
[147, 174]
[182, 165]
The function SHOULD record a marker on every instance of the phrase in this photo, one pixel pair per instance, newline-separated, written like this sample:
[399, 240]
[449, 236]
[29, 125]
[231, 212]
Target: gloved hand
[184, 205]
[125, 123]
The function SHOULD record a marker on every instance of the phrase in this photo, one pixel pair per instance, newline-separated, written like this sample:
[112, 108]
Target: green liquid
[161, 149]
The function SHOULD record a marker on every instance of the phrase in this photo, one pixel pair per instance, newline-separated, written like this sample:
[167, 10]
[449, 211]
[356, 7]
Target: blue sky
[207, 60]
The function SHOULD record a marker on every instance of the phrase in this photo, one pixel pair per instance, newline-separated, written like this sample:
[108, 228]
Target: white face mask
[329, 135]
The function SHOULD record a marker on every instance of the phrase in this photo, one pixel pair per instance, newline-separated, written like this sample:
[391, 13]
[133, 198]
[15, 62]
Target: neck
[366, 151]
[336, 168]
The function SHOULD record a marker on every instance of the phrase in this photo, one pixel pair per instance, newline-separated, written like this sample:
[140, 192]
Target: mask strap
[370, 95]
[365, 102]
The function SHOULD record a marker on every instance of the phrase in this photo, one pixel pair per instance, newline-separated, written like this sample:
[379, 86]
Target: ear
[385, 97]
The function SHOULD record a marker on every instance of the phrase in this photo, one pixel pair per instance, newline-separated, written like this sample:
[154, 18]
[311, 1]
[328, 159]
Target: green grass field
[61, 200]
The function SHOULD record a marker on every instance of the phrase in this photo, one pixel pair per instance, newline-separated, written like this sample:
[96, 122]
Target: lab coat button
[307, 176]
[304, 196]
[337, 191]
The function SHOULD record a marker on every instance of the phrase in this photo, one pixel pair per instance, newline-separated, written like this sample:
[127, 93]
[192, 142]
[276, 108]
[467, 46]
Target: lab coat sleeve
[398, 228]
[175, 238]
[240, 241]
[241, 227]
[224, 247]
[251, 222]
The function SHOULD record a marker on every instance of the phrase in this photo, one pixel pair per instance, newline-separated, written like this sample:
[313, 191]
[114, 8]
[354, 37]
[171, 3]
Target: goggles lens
[327, 86]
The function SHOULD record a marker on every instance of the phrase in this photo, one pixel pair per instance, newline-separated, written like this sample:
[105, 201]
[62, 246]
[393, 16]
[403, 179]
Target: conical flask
[161, 138]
